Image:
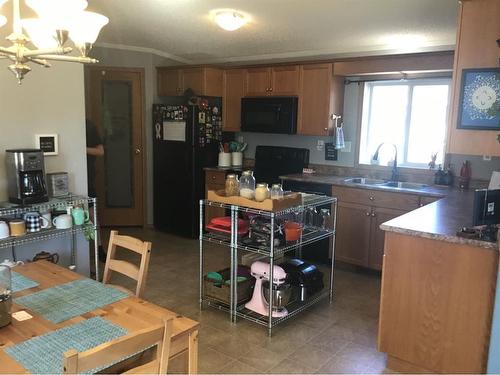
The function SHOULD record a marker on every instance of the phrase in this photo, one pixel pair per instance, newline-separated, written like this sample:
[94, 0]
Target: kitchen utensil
[4, 230]
[80, 216]
[5, 295]
[53, 258]
[34, 222]
[281, 295]
[17, 227]
[293, 231]
[63, 221]
[261, 272]
[10, 263]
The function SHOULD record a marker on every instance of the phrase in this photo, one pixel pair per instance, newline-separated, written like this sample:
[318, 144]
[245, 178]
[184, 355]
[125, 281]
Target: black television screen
[486, 207]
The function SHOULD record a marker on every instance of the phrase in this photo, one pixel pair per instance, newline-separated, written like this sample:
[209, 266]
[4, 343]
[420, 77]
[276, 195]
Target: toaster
[305, 278]
[57, 184]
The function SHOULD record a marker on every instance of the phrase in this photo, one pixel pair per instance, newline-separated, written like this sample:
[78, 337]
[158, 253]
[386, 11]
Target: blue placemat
[20, 282]
[44, 354]
[66, 301]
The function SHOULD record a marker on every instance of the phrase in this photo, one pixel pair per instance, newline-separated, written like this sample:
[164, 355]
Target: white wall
[50, 101]
[110, 57]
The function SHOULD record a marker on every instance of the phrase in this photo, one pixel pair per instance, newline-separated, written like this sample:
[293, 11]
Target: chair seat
[148, 368]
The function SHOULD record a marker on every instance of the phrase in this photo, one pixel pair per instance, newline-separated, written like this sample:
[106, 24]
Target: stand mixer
[258, 303]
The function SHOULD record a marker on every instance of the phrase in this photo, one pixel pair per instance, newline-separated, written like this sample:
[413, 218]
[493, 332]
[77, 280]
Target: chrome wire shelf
[310, 235]
[8, 209]
[216, 304]
[293, 308]
[43, 235]
[308, 200]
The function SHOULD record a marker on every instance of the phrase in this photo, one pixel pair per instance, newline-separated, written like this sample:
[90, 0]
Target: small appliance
[26, 176]
[276, 115]
[57, 184]
[305, 278]
[258, 303]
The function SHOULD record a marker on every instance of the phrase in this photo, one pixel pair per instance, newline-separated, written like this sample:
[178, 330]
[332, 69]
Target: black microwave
[269, 115]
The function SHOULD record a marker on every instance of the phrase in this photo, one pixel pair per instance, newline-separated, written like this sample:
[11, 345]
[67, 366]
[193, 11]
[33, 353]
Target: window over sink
[410, 114]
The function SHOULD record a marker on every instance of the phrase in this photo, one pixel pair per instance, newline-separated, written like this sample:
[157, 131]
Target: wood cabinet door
[315, 104]
[234, 90]
[169, 82]
[353, 233]
[213, 82]
[193, 79]
[258, 81]
[285, 80]
[377, 235]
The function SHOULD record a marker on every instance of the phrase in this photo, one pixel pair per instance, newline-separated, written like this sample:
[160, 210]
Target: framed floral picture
[479, 105]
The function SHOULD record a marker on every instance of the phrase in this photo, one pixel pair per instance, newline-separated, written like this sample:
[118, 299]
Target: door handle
[137, 151]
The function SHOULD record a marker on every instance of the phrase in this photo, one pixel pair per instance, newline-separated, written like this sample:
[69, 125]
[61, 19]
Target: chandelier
[58, 21]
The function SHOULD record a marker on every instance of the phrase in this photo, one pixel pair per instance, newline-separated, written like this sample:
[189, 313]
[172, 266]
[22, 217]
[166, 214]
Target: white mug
[4, 229]
[47, 223]
[10, 263]
[63, 221]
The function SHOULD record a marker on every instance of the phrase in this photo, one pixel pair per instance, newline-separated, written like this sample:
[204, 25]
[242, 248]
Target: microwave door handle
[278, 114]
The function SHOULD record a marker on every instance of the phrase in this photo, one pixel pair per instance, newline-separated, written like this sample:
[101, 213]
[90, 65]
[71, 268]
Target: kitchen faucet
[395, 173]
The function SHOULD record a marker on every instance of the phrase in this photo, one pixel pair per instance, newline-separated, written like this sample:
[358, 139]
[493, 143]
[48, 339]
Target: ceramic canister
[17, 227]
[4, 230]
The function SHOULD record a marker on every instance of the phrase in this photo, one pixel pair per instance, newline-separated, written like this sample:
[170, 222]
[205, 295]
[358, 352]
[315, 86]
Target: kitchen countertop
[439, 220]
[227, 169]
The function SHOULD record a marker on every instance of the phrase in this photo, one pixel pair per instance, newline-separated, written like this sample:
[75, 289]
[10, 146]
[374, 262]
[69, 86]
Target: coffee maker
[26, 176]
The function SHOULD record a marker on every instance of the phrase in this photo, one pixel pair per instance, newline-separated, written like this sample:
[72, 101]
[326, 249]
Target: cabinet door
[234, 90]
[315, 101]
[353, 233]
[377, 240]
[285, 80]
[193, 79]
[169, 82]
[213, 82]
[258, 81]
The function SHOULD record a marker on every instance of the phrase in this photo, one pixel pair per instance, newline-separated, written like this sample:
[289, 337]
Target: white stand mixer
[261, 271]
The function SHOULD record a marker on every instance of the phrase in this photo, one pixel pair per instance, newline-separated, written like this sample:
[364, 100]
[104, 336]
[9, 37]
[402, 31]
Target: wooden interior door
[116, 99]
[353, 233]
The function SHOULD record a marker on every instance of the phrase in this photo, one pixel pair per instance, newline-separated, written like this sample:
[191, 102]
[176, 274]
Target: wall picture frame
[479, 105]
[48, 143]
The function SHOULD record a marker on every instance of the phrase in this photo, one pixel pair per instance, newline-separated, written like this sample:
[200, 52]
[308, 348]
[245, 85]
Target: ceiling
[279, 30]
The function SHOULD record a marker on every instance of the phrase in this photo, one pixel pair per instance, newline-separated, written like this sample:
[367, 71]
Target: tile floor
[329, 338]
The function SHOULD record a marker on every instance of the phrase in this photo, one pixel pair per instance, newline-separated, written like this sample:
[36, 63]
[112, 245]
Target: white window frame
[402, 154]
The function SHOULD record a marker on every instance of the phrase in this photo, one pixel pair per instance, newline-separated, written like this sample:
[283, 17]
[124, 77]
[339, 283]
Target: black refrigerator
[186, 138]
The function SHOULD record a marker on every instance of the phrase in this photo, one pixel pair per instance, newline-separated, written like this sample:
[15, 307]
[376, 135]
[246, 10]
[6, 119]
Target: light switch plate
[487, 157]
[347, 147]
[321, 145]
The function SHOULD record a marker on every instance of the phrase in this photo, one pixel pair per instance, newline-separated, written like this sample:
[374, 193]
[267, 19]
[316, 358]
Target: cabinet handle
[270, 89]
[325, 129]
[372, 198]
[373, 214]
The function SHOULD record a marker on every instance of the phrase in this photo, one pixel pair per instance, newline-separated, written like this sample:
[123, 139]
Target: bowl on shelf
[293, 231]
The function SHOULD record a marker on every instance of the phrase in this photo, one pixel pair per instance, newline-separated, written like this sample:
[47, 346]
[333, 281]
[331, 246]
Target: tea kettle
[54, 258]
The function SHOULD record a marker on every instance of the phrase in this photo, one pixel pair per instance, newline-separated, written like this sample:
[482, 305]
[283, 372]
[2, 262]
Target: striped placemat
[44, 354]
[65, 301]
[20, 282]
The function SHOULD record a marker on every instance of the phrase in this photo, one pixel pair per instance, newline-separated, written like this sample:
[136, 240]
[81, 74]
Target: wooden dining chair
[126, 268]
[121, 349]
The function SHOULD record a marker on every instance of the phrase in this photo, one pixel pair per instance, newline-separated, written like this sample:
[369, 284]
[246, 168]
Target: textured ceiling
[279, 29]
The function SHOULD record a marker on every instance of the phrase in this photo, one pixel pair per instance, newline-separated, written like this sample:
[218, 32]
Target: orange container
[293, 231]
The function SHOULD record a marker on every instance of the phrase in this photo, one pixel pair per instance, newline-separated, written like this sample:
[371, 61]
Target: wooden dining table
[131, 313]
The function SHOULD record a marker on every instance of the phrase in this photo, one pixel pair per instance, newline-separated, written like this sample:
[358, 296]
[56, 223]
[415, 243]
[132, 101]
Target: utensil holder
[224, 159]
[236, 159]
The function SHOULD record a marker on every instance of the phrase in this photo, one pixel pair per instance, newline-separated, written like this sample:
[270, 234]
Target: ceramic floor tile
[260, 358]
[291, 366]
[238, 367]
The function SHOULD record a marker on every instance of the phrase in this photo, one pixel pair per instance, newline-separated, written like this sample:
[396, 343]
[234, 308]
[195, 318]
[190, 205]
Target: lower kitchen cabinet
[353, 233]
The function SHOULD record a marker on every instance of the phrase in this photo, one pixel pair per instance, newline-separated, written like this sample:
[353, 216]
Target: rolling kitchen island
[272, 252]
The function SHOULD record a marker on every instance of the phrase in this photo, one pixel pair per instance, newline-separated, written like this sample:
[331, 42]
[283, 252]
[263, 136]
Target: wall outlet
[487, 157]
[347, 148]
[321, 145]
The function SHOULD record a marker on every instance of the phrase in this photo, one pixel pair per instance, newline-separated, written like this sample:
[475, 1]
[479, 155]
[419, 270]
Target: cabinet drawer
[215, 178]
[377, 198]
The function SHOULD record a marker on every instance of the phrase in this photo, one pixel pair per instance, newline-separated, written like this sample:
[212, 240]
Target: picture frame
[48, 143]
[479, 104]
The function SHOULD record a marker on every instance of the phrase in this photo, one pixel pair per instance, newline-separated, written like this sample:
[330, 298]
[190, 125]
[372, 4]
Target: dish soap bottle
[438, 176]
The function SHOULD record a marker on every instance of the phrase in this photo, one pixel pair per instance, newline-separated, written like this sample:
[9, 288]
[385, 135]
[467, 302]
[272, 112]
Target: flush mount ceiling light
[230, 20]
[57, 21]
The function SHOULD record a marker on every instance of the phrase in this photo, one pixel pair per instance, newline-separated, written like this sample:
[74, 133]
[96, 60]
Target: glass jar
[310, 216]
[276, 191]
[5, 295]
[232, 185]
[247, 185]
[326, 219]
[262, 192]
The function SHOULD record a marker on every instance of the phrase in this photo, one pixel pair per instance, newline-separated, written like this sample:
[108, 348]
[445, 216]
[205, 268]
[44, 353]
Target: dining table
[131, 313]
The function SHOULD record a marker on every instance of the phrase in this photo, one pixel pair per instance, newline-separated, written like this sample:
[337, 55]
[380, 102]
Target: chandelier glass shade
[58, 21]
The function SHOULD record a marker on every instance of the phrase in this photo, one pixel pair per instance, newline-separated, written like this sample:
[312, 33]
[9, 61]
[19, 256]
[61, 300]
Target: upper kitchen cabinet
[276, 80]
[478, 31]
[234, 90]
[322, 95]
[202, 80]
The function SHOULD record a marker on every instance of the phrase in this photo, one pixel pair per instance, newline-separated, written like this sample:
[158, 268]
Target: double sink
[385, 184]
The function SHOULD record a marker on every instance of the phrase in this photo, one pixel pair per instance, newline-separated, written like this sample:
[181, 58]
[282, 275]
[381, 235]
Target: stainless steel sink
[405, 185]
[364, 181]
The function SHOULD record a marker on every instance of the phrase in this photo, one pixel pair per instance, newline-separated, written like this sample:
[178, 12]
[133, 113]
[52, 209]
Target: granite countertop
[226, 169]
[439, 220]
